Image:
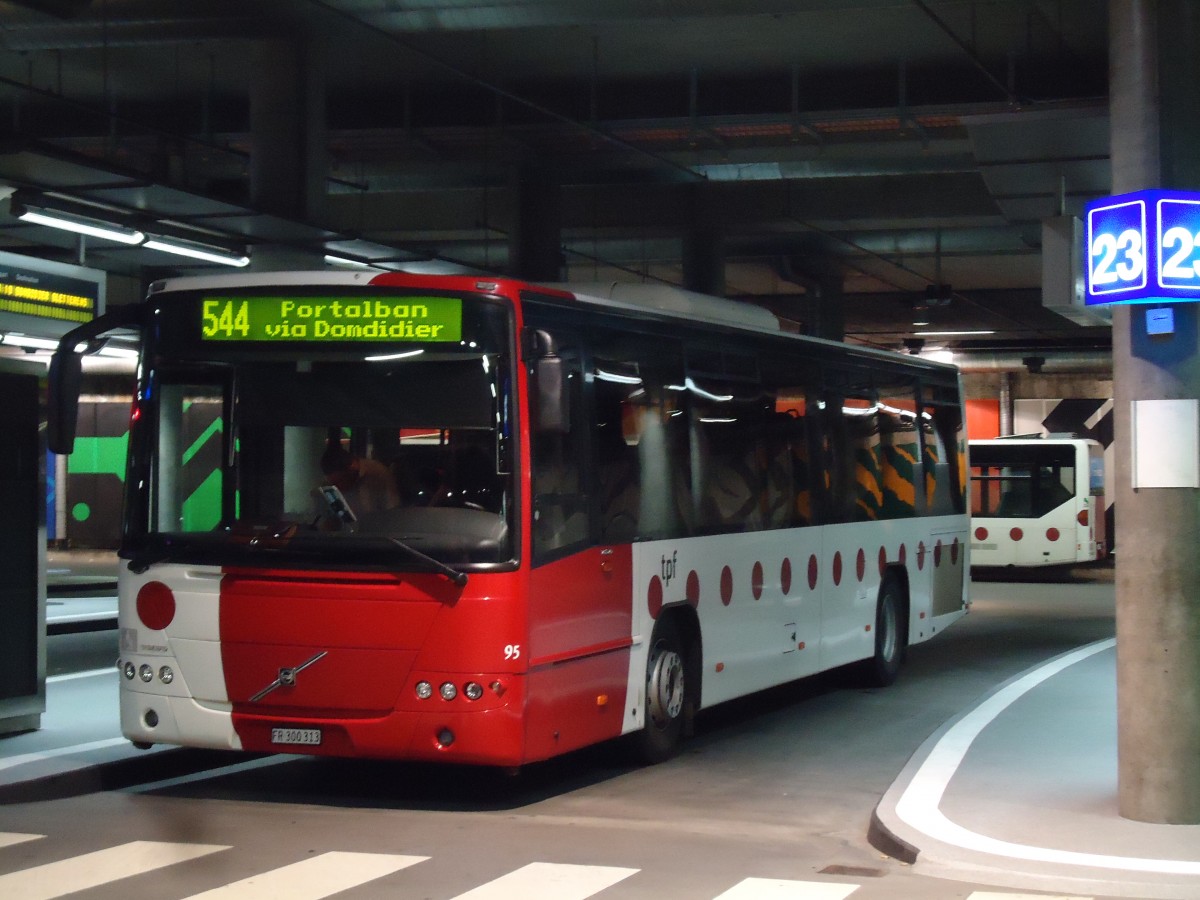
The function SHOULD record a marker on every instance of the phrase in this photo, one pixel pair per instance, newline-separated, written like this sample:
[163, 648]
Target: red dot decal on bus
[921, 551]
[654, 597]
[882, 561]
[937, 554]
[756, 580]
[155, 605]
[785, 576]
[1052, 534]
[692, 591]
[726, 585]
[1016, 534]
[903, 555]
[954, 552]
[860, 564]
[981, 533]
[837, 568]
[812, 573]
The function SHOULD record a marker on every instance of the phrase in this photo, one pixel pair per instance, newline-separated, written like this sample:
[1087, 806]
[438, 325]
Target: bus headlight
[424, 690]
[473, 690]
[448, 691]
[166, 675]
[145, 673]
[129, 670]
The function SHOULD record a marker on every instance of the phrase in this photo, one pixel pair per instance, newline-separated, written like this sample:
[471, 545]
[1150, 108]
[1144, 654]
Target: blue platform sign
[1143, 247]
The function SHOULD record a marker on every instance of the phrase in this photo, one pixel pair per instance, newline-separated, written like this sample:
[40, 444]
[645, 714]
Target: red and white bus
[571, 518]
[1037, 501]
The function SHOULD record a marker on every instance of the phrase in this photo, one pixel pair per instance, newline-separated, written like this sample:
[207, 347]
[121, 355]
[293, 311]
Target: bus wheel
[666, 695]
[884, 666]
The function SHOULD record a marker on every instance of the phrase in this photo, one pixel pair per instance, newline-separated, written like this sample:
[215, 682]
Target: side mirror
[553, 412]
[550, 396]
[65, 377]
[64, 381]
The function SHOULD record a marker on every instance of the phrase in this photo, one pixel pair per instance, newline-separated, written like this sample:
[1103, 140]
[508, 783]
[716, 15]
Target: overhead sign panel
[1143, 247]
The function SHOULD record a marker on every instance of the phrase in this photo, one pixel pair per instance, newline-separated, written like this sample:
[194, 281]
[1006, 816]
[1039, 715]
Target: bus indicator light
[1052, 534]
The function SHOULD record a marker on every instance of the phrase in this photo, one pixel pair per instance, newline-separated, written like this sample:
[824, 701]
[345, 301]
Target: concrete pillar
[1158, 570]
[704, 261]
[535, 235]
[824, 308]
[703, 256]
[288, 157]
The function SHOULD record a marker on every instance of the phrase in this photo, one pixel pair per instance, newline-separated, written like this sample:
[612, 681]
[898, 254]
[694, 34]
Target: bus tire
[667, 694]
[884, 666]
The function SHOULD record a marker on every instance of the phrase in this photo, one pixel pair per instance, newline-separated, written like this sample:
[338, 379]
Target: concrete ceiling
[886, 144]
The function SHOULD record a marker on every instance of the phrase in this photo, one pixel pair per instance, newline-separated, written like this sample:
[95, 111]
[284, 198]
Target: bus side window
[942, 455]
[616, 433]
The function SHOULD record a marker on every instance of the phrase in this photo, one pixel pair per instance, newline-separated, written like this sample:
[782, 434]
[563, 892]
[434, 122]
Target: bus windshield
[251, 445]
[1021, 481]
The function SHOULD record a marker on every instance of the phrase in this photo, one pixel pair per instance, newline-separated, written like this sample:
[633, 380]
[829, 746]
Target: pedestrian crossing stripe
[332, 872]
[9, 838]
[557, 880]
[100, 867]
[772, 889]
[314, 878]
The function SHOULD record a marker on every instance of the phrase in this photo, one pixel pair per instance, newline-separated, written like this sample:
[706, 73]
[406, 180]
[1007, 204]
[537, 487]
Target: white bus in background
[1037, 501]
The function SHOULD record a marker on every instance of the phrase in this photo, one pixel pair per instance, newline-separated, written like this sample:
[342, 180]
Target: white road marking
[101, 867]
[315, 878]
[771, 889]
[207, 774]
[90, 673]
[9, 838]
[919, 803]
[60, 751]
[551, 881]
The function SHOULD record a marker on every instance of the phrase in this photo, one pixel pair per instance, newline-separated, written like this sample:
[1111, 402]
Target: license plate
[307, 736]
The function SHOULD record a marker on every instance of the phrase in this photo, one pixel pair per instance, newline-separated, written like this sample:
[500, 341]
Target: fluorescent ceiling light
[92, 228]
[948, 333]
[30, 343]
[198, 251]
[390, 356]
[118, 352]
[347, 261]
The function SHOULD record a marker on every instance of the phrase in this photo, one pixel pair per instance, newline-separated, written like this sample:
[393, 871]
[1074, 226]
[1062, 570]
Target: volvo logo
[287, 676]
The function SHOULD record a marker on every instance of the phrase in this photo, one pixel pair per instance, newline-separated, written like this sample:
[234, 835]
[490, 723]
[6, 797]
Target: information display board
[42, 298]
[1143, 247]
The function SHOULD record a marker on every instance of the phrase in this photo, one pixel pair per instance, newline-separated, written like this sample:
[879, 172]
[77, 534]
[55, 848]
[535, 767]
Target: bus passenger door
[579, 591]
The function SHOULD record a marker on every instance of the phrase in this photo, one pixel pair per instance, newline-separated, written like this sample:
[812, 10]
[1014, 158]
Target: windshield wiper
[143, 559]
[165, 550]
[459, 578]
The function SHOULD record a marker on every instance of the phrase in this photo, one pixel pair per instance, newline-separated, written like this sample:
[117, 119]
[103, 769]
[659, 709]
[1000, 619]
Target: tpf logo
[668, 567]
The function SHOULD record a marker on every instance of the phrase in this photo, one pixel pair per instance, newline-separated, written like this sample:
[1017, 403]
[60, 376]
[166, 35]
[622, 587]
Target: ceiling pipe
[1070, 362]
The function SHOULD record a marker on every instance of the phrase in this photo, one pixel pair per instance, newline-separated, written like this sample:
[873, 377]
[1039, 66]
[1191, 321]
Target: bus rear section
[1037, 502]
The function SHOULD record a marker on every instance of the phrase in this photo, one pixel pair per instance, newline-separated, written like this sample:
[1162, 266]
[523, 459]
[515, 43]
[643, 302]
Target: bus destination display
[367, 319]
